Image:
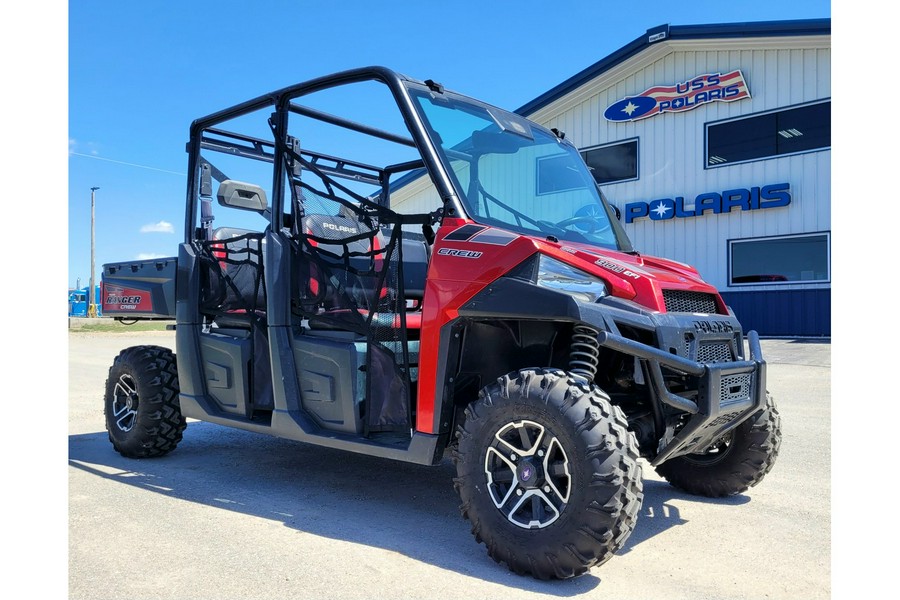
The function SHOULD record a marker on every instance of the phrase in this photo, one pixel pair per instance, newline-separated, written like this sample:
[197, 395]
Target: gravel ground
[237, 515]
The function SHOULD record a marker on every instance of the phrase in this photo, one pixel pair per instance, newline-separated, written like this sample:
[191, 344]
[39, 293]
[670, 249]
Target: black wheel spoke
[537, 509]
[503, 476]
[558, 469]
[526, 440]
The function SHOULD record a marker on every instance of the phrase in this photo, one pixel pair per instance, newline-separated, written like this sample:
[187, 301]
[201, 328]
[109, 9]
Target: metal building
[714, 141]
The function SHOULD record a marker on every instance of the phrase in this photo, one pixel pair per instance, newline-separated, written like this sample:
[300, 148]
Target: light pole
[92, 306]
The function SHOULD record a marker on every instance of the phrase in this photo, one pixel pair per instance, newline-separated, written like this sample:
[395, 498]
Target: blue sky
[139, 72]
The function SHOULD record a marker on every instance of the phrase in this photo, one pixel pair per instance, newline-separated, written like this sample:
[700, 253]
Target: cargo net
[348, 276]
[232, 286]
[233, 296]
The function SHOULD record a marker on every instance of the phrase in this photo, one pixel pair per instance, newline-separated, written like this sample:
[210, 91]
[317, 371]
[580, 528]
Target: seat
[360, 254]
[234, 290]
[361, 286]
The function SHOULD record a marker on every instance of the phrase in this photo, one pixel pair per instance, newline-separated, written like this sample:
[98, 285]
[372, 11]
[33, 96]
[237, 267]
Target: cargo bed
[141, 289]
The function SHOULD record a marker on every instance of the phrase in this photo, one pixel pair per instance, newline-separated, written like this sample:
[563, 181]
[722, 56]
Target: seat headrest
[333, 227]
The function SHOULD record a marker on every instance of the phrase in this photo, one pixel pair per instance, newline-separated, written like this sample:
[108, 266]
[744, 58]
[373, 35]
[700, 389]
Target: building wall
[671, 151]
[780, 72]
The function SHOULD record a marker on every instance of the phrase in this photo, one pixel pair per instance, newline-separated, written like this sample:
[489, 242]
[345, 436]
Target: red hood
[633, 276]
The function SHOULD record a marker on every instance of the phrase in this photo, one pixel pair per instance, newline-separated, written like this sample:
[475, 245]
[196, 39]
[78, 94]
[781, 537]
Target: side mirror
[244, 196]
[617, 211]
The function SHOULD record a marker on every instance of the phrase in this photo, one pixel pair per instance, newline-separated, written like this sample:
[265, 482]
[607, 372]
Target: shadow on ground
[366, 500]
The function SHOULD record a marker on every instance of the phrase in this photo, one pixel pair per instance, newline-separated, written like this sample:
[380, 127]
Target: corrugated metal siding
[671, 153]
[780, 72]
[783, 313]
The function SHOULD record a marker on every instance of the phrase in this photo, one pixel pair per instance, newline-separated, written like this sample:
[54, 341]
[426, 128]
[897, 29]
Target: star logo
[661, 209]
[629, 108]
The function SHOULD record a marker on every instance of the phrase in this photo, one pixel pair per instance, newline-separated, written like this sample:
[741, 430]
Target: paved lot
[237, 515]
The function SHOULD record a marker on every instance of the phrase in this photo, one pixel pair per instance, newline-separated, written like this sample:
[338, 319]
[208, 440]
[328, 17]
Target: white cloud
[161, 227]
[149, 256]
[77, 148]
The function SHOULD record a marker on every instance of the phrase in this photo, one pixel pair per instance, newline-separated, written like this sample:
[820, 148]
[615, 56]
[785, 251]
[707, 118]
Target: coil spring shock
[584, 352]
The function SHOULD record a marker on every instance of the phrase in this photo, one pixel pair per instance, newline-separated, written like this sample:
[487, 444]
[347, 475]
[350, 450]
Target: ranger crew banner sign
[714, 87]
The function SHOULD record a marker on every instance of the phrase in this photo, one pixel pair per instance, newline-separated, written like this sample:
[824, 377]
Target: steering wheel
[587, 218]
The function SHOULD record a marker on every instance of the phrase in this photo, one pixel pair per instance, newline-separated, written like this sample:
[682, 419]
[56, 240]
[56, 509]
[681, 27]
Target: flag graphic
[712, 87]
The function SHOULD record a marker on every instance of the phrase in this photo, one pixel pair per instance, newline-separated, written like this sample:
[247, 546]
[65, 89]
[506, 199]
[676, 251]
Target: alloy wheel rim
[528, 474]
[125, 403]
[715, 452]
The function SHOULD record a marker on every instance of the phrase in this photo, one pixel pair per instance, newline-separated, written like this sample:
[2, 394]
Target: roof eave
[678, 32]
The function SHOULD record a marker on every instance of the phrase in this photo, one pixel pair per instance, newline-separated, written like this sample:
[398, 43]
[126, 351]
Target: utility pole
[92, 305]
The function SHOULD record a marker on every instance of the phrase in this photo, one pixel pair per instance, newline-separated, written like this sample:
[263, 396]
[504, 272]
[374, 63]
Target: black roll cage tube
[281, 101]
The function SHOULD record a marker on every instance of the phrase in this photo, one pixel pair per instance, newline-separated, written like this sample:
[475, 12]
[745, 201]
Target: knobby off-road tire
[736, 462]
[143, 416]
[547, 474]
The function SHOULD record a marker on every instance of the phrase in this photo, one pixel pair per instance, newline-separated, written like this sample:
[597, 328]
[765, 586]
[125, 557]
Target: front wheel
[143, 415]
[733, 463]
[548, 474]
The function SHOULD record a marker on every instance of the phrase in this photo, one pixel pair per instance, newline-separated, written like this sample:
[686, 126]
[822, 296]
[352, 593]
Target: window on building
[612, 163]
[778, 133]
[783, 259]
[555, 174]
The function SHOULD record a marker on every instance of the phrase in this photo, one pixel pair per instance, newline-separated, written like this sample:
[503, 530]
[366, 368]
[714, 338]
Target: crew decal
[459, 253]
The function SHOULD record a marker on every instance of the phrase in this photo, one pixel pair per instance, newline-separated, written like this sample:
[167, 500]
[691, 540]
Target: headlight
[557, 275]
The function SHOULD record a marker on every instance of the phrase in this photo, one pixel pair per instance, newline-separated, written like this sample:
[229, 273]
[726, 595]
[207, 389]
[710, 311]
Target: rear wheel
[143, 416]
[735, 462]
[548, 474]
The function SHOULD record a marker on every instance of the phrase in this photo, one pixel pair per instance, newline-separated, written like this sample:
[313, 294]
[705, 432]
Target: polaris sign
[756, 198]
[712, 87]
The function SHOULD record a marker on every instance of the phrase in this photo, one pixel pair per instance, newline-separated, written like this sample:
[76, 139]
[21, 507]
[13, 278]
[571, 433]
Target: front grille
[708, 352]
[689, 302]
[734, 388]
[722, 420]
[714, 352]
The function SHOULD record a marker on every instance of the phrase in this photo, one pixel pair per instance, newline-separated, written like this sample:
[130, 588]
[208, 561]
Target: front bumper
[728, 392]
[724, 388]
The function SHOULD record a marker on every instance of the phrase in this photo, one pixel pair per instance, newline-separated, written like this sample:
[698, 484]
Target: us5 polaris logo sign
[680, 97]
[756, 198]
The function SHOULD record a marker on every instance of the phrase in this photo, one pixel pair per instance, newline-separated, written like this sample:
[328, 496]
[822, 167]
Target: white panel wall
[780, 72]
[671, 149]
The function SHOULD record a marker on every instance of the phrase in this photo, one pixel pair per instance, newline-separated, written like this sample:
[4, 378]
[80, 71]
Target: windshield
[514, 174]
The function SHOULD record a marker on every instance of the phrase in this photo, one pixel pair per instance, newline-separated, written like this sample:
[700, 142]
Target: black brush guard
[728, 392]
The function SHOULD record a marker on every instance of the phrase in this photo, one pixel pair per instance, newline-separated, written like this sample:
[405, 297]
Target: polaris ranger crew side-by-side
[445, 282]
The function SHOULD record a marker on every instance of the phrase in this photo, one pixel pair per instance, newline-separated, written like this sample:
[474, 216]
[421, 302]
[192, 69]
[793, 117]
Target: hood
[636, 277]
